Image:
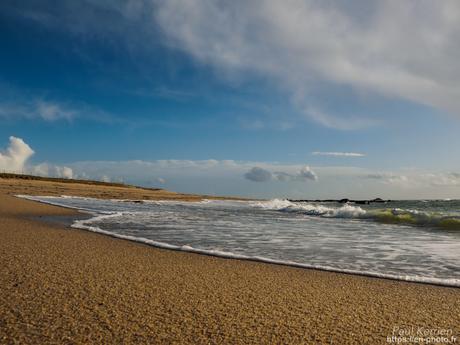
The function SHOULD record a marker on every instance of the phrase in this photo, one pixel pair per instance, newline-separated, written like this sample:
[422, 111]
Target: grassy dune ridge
[50, 186]
[67, 180]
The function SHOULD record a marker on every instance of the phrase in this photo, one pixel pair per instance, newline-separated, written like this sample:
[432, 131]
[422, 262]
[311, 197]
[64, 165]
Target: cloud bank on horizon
[228, 177]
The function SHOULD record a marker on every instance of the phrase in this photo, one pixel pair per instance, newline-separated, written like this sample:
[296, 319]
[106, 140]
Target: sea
[409, 240]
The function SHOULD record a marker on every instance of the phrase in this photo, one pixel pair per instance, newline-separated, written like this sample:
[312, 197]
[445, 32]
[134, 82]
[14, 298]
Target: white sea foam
[82, 224]
[345, 211]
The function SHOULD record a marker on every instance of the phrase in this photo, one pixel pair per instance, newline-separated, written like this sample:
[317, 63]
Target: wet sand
[66, 286]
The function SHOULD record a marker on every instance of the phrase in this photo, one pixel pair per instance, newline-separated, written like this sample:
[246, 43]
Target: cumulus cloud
[50, 170]
[176, 171]
[65, 172]
[14, 158]
[307, 174]
[258, 174]
[338, 154]
[304, 174]
[224, 177]
[230, 177]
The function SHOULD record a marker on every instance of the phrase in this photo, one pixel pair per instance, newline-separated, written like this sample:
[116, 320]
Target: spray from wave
[384, 215]
[345, 211]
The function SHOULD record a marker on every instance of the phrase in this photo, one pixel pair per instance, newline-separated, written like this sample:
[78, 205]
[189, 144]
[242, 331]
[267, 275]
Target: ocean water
[405, 240]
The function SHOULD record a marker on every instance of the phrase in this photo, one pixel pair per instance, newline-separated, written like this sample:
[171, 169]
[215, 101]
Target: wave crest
[345, 211]
[386, 215]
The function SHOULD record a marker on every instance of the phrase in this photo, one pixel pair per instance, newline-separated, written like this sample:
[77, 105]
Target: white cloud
[13, 159]
[443, 179]
[50, 170]
[65, 172]
[419, 180]
[390, 178]
[306, 174]
[401, 49]
[229, 177]
[338, 154]
[53, 111]
[347, 123]
[18, 104]
[258, 174]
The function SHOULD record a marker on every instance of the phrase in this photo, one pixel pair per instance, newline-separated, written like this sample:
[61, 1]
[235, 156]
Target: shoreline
[78, 224]
[81, 286]
[232, 256]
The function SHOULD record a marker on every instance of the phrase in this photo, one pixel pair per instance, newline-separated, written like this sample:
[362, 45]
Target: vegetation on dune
[67, 180]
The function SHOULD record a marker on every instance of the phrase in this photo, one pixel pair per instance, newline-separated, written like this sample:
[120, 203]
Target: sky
[288, 99]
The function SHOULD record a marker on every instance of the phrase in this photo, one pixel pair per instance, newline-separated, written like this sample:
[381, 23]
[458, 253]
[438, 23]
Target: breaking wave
[384, 215]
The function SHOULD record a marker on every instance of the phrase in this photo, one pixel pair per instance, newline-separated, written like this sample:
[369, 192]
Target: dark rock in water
[344, 201]
[138, 201]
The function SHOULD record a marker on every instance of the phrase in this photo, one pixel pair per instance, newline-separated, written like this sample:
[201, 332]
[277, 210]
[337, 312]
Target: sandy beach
[66, 286]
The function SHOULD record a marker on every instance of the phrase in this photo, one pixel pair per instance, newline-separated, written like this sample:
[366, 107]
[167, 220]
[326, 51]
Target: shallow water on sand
[406, 240]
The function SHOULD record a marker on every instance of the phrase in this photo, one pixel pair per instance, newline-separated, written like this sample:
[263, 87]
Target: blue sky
[193, 95]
